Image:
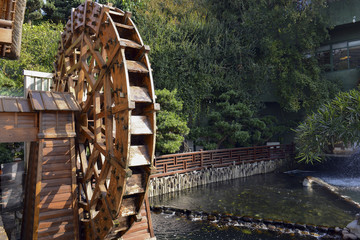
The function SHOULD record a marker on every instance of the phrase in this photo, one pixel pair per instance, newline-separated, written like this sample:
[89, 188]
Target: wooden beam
[96, 54]
[74, 44]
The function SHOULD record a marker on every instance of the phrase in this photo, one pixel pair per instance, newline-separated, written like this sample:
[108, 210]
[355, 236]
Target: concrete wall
[179, 182]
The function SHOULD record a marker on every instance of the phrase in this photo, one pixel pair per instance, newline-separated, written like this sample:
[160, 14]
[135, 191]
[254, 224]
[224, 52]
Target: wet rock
[211, 218]
[311, 228]
[350, 236]
[322, 229]
[299, 226]
[354, 228]
[331, 230]
[190, 216]
[271, 227]
[278, 223]
[170, 212]
[337, 229]
[177, 213]
[157, 209]
[246, 219]
[257, 220]
[289, 225]
[268, 221]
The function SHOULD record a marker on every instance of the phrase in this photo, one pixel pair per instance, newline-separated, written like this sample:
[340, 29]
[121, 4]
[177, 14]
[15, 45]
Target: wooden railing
[185, 162]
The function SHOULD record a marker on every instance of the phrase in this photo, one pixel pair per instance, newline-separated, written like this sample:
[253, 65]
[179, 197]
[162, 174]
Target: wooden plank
[6, 35]
[58, 197]
[135, 184]
[18, 135]
[139, 156]
[1, 106]
[56, 182]
[55, 205]
[124, 26]
[139, 94]
[56, 175]
[37, 192]
[129, 43]
[140, 125]
[148, 216]
[97, 121]
[10, 105]
[74, 189]
[56, 222]
[128, 207]
[24, 105]
[56, 167]
[50, 190]
[36, 101]
[72, 103]
[51, 231]
[48, 101]
[136, 67]
[55, 214]
[60, 101]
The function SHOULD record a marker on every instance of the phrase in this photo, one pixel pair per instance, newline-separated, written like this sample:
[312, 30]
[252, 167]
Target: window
[354, 57]
[340, 56]
[340, 59]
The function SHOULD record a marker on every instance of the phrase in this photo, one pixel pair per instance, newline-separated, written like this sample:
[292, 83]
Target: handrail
[184, 162]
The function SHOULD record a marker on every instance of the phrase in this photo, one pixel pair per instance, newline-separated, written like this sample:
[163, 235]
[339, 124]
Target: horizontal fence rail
[185, 162]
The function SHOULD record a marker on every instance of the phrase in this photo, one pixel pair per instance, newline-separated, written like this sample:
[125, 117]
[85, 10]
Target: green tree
[38, 51]
[171, 127]
[59, 10]
[337, 121]
[233, 123]
[33, 10]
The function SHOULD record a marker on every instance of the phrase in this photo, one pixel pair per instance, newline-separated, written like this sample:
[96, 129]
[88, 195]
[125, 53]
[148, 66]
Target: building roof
[53, 101]
[8, 104]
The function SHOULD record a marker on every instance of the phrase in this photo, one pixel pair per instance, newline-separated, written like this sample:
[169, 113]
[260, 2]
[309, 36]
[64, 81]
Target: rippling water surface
[273, 196]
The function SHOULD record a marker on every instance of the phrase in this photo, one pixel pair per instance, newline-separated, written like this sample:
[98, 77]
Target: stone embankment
[177, 182]
[229, 220]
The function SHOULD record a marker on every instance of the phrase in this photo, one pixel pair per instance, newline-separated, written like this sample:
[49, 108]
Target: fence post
[201, 157]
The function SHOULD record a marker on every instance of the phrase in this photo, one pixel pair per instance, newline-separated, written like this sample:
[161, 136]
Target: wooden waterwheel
[103, 62]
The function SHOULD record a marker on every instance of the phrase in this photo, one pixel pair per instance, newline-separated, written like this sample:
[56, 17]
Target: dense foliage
[209, 50]
[284, 36]
[232, 123]
[337, 121]
[171, 127]
[38, 51]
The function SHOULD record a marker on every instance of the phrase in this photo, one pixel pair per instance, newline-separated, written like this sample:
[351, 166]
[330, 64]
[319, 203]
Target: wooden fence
[185, 162]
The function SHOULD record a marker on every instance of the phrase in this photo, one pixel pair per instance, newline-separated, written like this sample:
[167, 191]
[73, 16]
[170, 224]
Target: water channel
[277, 196]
